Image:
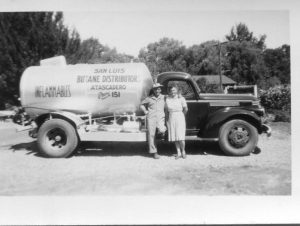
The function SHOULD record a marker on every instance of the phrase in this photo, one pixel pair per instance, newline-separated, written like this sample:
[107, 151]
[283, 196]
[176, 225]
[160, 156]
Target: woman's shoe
[177, 157]
[184, 156]
[156, 156]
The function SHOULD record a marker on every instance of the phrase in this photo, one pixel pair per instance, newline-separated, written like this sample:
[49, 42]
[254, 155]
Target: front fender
[216, 119]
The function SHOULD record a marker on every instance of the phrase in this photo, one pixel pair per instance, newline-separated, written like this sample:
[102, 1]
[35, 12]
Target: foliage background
[277, 100]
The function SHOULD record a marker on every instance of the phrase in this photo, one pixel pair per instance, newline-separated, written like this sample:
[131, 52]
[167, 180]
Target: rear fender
[72, 118]
[219, 117]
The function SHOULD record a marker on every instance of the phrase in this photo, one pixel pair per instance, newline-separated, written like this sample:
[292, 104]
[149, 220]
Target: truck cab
[234, 120]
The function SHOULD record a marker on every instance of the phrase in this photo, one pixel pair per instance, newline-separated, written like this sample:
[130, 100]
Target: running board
[127, 137]
[201, 138]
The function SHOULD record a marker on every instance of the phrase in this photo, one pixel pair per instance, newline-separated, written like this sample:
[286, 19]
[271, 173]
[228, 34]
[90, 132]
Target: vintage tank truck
[101, 102]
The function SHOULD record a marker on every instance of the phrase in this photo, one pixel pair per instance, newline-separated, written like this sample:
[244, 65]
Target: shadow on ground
[127, 149]
[30, 147]
[141, 148]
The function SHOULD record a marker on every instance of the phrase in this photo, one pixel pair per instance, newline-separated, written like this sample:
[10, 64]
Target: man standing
[153, 107]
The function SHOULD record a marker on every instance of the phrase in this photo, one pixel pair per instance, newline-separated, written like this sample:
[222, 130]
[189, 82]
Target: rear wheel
[238, 137]
[57, 138]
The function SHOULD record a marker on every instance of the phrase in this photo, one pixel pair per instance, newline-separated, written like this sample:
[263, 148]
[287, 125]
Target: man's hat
[157, 85]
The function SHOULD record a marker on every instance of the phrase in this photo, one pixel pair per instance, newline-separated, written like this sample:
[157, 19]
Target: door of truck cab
[197, 110]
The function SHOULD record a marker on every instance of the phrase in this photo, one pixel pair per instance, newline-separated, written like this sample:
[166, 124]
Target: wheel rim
[56, 139]
[239, 136]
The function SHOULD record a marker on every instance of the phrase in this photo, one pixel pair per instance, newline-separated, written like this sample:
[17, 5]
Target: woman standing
[176, 108]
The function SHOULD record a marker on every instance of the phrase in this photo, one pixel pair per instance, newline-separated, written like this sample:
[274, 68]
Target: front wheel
[238, 137]
[57, 138]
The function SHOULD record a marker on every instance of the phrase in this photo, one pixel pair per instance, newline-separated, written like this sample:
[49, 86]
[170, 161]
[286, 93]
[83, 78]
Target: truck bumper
[266, 129]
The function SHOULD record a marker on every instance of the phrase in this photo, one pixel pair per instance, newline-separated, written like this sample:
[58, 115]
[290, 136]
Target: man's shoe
[156, 156]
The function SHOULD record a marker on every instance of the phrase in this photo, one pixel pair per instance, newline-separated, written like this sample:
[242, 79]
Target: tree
[245, 60]
[241, 33]
[25, 39]
[203, 59]
[278, 63]
[89, 51]
[165, 55]
[112, 56]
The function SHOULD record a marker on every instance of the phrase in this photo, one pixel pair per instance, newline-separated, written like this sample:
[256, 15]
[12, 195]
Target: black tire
[238, 137]
[57, 138]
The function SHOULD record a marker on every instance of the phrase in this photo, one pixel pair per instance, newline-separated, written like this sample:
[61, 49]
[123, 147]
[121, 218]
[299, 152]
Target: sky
[129, 31]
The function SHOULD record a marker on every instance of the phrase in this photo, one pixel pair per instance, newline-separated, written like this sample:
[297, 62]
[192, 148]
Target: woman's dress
[176, 122]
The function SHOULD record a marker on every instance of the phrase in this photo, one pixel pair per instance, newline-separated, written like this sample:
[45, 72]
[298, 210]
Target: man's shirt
[155, 107]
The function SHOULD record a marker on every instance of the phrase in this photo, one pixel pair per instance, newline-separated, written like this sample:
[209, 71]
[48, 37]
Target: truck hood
[205, 96]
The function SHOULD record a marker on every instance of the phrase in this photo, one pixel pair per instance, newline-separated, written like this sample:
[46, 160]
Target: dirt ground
[126, 169]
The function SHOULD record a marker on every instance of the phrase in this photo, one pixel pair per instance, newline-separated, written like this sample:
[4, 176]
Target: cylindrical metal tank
[99, 89]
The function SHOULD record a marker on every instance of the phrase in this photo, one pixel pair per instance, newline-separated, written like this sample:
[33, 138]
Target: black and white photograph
[148, 112]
